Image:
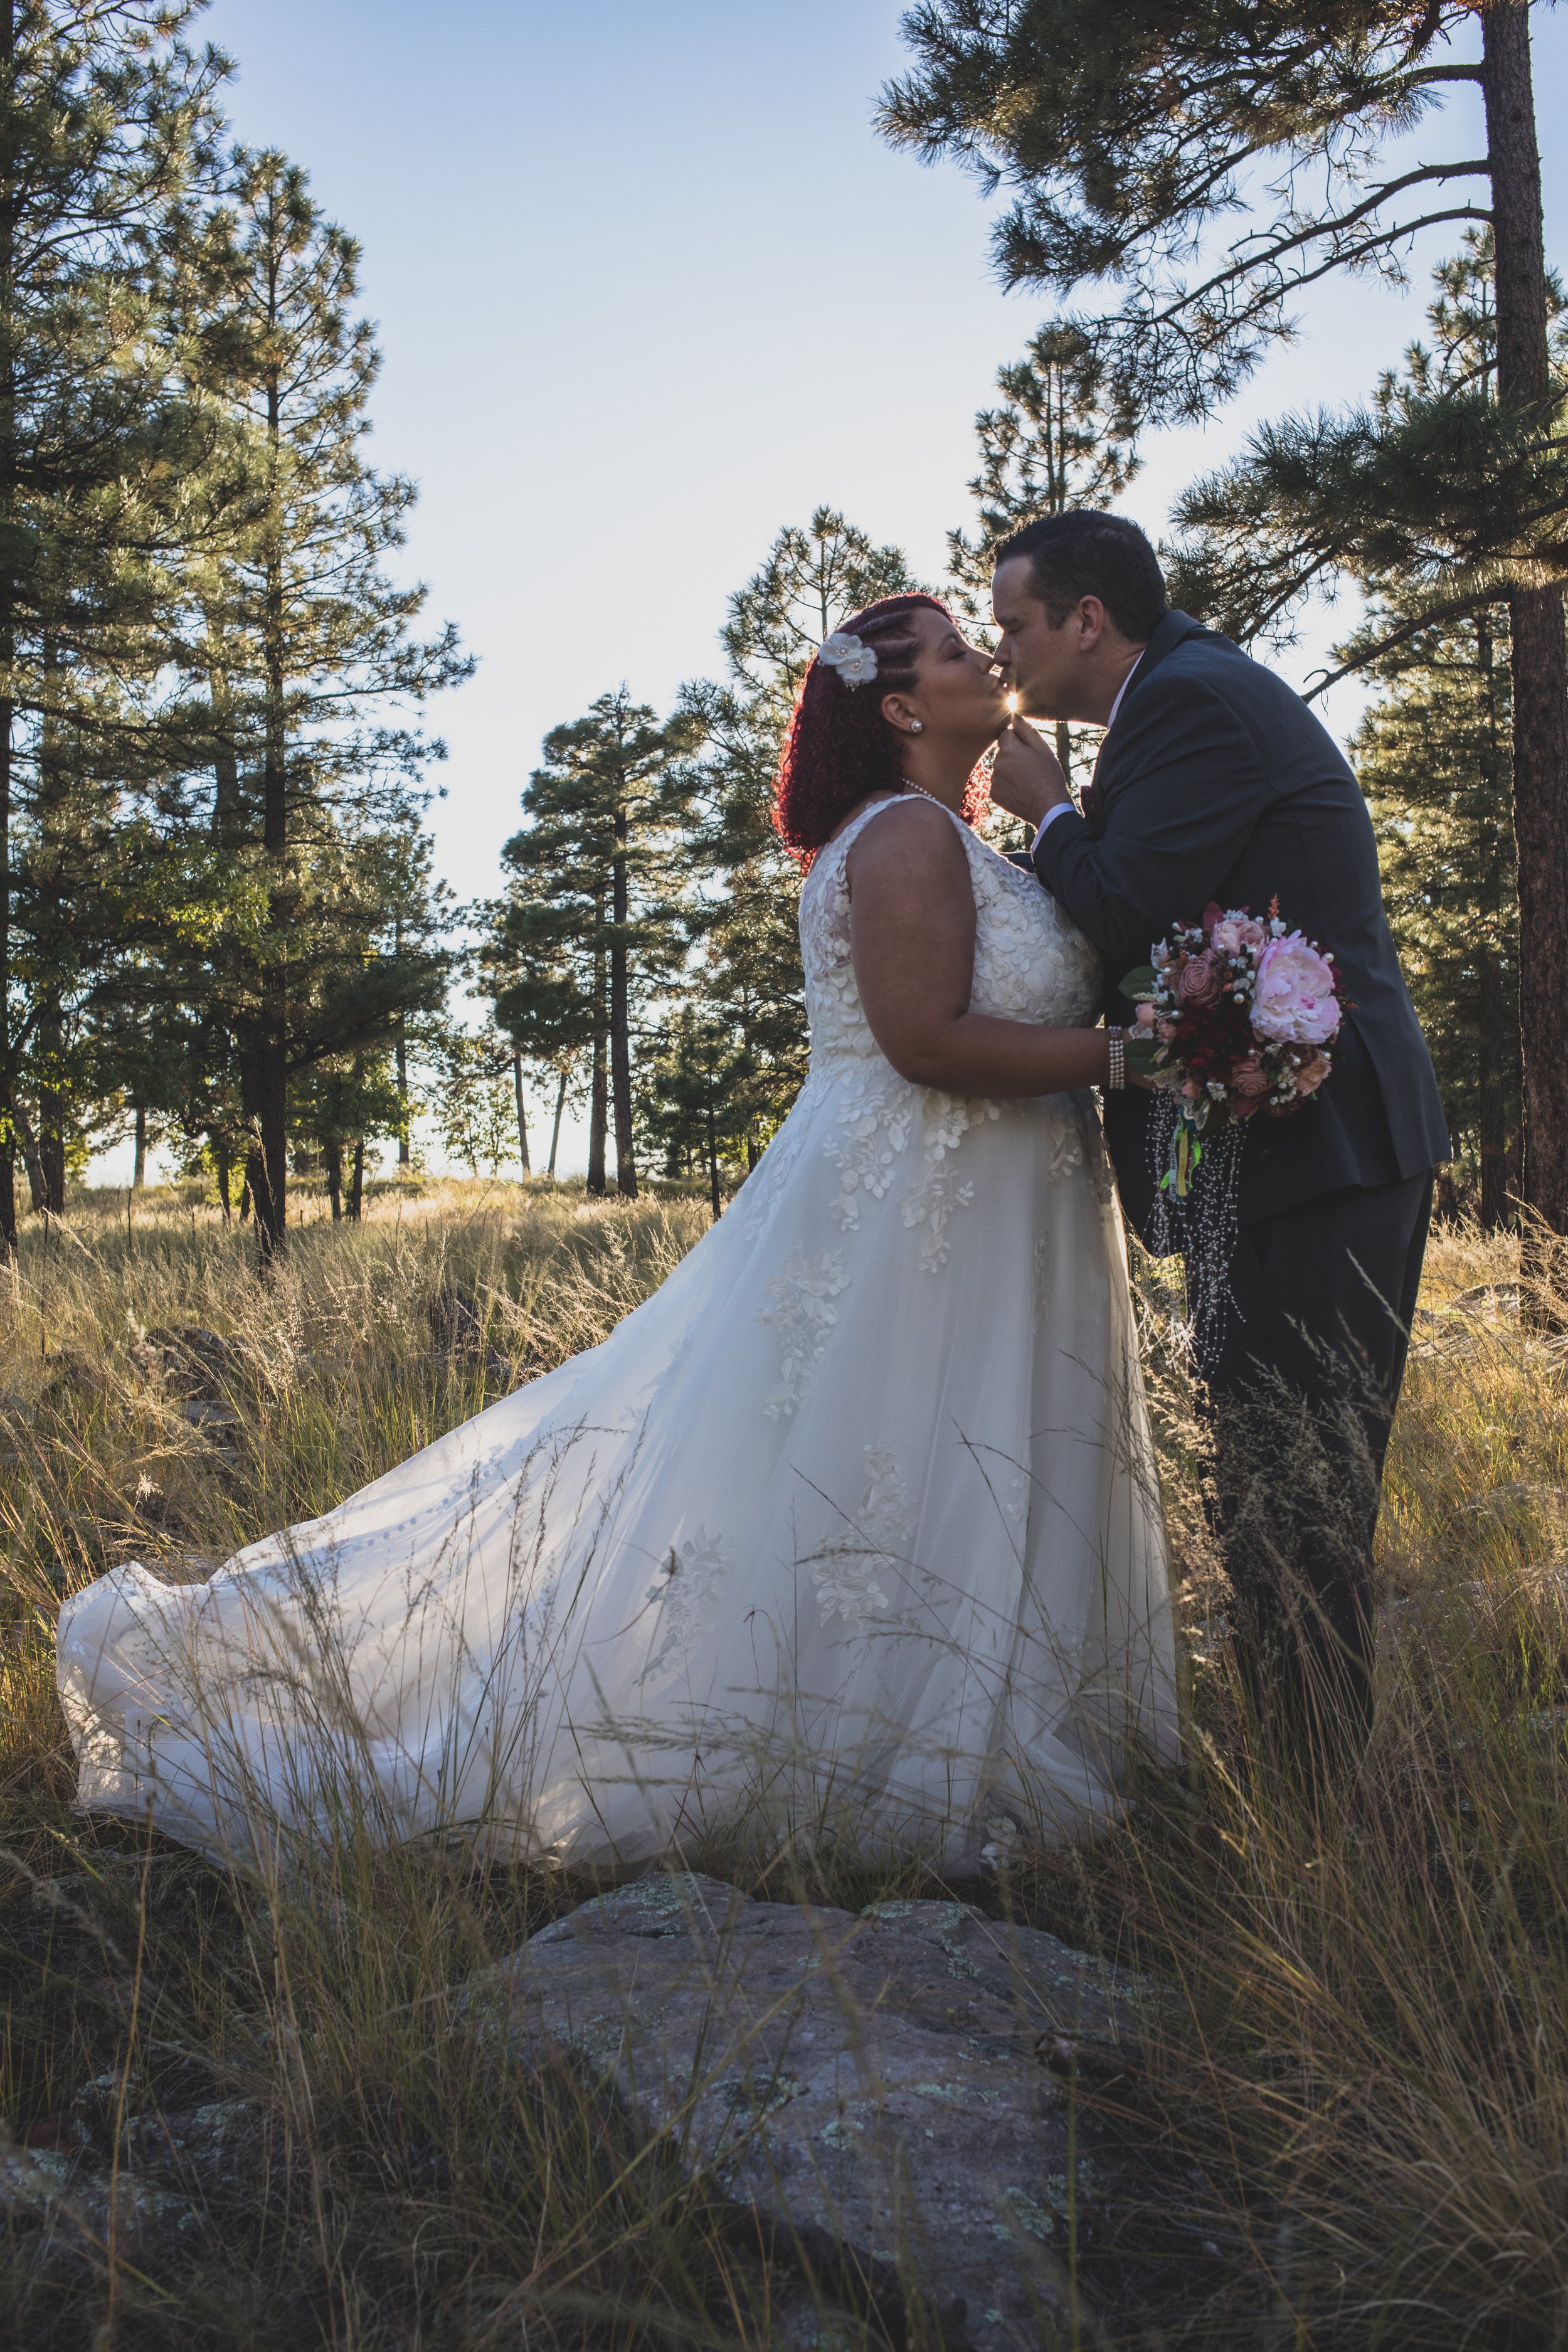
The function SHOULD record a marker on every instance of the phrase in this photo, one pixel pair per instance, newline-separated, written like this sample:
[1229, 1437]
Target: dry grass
[1367, 2062]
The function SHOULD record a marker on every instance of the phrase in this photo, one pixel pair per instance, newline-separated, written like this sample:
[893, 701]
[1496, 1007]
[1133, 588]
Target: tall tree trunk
[268, 1106]
[8, 520]
[52, 821]
[225, 762]
[1497, 1038]
[334, 1156]
[139, 1157]
[620, 1017]
[598, 1113]
[1540, 654]
[224, 1166]
[522, 1113]
[555, 1131]
[713, 1192]
[400, 1061]
[598, 1088]
[51, 1111]
[356, 1182]
[1493, 1103]
[38, 1183]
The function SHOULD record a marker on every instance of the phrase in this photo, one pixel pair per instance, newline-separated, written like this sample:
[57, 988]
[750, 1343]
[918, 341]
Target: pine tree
[699, 1106]
[1435, 755]
[307, 650]
[107, 125]
[747, 976]
[475, 1100]
[1434, 760]
[586, 930]
[1124, 146]
[1062, 436]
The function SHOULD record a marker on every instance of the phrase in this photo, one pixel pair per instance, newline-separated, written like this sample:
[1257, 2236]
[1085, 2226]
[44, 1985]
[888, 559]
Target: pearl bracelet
[1115, 1076]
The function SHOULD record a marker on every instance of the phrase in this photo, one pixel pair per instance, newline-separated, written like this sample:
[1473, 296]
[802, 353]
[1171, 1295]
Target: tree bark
[37, 1183]
[522, 1113]
[620, 1017]
[1493, 1119]
[268, 1106]
[555, 1131]
[598, 1113]
[356, 1183]
[598, 1090]
[139, 1159]
[7, 652]
[713, 1192]
[1496, 1037]
[1540, 654]
[334, 1156]
[400, 1056]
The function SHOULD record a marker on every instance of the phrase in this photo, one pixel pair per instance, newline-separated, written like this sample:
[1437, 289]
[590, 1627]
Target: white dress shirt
[1062, 807]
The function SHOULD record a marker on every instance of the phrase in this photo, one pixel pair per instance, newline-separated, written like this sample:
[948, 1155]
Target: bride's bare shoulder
[921, 840]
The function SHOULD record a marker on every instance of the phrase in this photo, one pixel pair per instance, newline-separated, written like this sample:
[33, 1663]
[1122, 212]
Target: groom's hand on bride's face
[1027, 779]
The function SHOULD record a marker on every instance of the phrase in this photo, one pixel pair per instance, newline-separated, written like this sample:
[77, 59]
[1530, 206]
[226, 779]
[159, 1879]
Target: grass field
[1366, 2064]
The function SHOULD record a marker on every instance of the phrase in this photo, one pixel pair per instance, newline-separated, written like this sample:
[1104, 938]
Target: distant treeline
[219, 926]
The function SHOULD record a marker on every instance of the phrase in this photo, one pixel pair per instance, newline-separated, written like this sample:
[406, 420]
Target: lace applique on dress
[802, 1313]
[1067, 1152]
[945, 1121]
[875, 1116]
[688, 1588]
[847, 1571]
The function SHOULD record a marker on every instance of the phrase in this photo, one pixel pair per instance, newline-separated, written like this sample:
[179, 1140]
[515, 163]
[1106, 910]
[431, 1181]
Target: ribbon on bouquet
[1199, 1223]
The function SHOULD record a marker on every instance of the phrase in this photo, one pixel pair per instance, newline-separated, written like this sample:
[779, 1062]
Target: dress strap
[853, 830]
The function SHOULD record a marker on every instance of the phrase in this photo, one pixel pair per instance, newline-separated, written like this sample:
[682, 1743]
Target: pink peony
[1236, 933]
[1294, 1000]
[1144, 1017]
[1198, 980]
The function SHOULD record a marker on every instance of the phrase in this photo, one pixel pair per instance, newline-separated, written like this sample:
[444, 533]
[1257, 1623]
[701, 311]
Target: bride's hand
[1027, 779]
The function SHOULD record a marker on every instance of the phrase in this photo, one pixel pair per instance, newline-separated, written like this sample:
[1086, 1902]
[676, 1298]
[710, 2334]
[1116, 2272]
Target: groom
[1215, 783]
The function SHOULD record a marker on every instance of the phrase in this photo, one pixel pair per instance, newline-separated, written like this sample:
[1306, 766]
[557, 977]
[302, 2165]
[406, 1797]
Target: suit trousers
[1300, 1401]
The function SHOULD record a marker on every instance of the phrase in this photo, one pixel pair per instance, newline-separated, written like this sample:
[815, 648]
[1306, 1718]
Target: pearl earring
[916, 727]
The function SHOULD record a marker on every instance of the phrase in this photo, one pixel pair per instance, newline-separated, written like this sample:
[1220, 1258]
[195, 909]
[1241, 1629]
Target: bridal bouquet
[1234, 1017]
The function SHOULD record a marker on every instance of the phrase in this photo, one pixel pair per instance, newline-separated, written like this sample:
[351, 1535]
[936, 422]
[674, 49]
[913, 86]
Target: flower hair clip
[850, 656]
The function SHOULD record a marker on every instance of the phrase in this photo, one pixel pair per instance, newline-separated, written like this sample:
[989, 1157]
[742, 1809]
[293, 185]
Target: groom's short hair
[1084, 553]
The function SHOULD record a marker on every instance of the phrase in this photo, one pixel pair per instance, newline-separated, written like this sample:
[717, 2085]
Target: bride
[852, 1531]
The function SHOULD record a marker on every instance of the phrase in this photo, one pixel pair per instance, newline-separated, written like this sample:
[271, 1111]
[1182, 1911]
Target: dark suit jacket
[1217, 783]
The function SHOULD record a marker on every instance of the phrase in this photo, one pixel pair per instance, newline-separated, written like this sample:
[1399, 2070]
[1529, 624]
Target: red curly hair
[839, 747]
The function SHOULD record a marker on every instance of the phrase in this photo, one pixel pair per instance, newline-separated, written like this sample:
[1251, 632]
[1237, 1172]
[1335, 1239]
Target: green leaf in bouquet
[1143, 1047]
[1140, 983]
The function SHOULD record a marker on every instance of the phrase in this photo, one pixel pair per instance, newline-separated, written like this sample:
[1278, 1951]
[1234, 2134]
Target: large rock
[889, 2095]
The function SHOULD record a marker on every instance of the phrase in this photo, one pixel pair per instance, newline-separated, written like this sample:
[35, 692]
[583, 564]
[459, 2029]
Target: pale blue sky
[648, 287]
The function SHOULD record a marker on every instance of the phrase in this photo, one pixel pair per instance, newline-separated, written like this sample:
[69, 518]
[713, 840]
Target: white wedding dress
[850, 1531]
